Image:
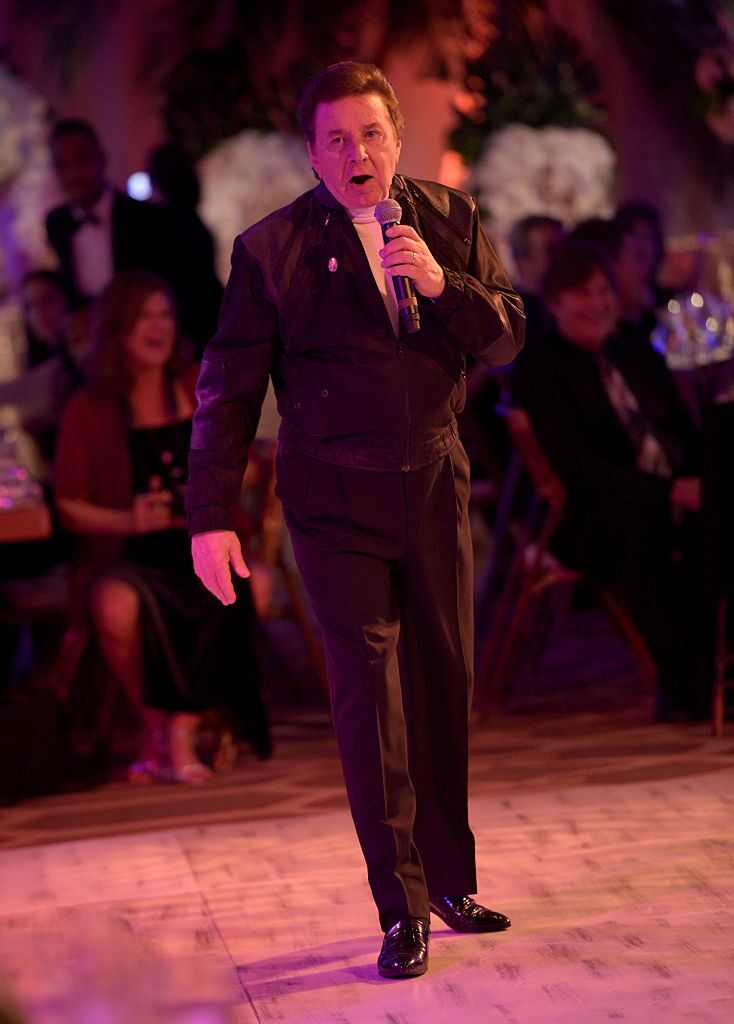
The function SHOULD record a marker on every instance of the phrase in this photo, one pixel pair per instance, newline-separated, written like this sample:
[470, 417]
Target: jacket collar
[363, 279]
[325, 197]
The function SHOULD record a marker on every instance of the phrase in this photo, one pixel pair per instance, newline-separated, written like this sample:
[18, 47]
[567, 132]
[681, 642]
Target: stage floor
[608, 840]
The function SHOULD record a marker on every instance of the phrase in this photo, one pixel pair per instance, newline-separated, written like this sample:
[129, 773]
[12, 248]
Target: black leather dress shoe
[463, 914]
[404, 952]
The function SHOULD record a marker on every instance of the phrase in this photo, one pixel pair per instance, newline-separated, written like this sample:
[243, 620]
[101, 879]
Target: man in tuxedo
[532, 240]
[100, 231]
[372, 476]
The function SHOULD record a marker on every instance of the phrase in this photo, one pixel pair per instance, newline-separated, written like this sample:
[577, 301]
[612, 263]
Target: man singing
[372, 476]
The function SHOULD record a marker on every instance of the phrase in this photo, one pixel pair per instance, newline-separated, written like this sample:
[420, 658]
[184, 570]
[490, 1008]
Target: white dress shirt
[92, 252]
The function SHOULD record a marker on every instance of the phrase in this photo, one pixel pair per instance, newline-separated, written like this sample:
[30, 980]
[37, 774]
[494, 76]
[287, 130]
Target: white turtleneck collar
[362, 216]
[370, 235]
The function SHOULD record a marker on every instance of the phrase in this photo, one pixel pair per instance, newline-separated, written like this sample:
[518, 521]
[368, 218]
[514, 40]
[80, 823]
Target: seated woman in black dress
[120, 471]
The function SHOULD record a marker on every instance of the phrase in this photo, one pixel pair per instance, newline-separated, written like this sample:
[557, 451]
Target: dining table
[31, 521]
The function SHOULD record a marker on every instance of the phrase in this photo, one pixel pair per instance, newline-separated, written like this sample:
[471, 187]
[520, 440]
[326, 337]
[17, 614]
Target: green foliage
[665, 38]
[241, 64]
[534, 74]
[71, 28]
[221, 66]
[209, 96]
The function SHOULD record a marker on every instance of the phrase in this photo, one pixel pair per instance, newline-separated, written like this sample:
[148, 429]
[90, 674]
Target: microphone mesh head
[388, 212]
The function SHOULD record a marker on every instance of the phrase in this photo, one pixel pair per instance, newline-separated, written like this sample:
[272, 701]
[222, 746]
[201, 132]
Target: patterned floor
[608, 840]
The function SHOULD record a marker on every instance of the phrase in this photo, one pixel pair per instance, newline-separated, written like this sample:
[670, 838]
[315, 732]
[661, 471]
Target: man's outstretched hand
[213, 553]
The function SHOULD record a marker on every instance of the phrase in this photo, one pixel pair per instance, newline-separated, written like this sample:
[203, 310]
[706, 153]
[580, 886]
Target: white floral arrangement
[27, 185]
[567, 173]
[245, 178]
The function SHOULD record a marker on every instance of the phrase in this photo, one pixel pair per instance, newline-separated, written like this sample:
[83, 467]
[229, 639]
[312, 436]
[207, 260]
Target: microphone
[388, 213]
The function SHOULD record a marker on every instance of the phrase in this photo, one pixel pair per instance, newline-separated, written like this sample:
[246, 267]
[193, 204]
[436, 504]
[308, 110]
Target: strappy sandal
[194, 773]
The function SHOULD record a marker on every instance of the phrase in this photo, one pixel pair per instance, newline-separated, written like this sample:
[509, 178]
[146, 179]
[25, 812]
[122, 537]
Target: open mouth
[360, 179]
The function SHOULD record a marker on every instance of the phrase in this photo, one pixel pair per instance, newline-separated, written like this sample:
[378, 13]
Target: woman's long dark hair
[115, 314]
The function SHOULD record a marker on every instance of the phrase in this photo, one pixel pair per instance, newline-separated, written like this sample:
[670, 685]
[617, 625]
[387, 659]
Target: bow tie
[86, 218]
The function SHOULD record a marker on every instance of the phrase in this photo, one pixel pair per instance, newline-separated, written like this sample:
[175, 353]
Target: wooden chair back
[535, 462]
[517, 626]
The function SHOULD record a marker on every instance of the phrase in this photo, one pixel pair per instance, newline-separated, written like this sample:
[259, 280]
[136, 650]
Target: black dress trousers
[386, 558]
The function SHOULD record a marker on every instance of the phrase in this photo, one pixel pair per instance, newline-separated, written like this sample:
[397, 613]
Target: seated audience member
[52, 370]
[624, 447]
[46, 314]
[643, 220]
[32, 572]
[175, 188]
[120, 470]
[532, 241]
[630, 262]
[634, 255]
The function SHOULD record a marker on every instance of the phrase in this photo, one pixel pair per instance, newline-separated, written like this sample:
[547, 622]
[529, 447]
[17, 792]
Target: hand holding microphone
[409, 262]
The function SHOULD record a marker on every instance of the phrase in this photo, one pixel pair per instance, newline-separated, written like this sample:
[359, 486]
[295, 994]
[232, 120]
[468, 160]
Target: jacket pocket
[458, 393]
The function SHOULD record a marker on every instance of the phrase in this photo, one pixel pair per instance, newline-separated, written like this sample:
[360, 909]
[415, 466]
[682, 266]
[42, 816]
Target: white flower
[247, 177]
[567, 173]
[27, 187]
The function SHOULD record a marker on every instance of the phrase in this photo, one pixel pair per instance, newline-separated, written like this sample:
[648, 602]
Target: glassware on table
[695, 330]
[18, 489]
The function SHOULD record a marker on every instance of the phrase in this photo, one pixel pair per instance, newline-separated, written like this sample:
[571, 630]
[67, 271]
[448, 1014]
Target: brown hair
[116, 312]
[573, 263]
[607, 235]
[348, 78]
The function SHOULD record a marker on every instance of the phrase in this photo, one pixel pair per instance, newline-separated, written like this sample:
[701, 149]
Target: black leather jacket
[301, 305]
